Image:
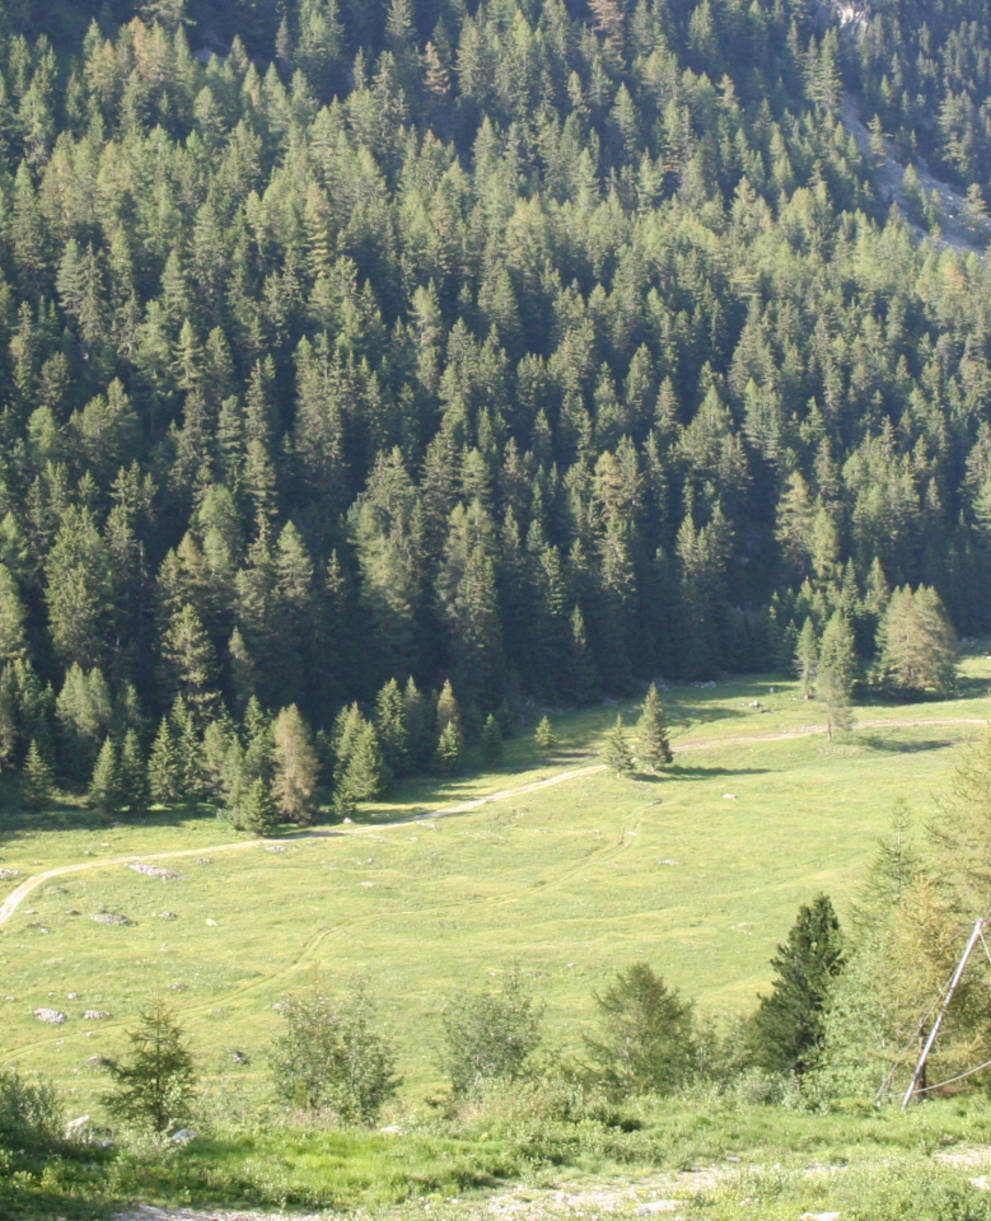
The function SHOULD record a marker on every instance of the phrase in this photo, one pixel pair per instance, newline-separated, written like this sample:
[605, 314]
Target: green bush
[30, 1112]
[490, 1036]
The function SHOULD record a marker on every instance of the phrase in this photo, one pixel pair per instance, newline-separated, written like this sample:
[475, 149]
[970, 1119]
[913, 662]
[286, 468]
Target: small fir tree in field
[258, 812]
[789, 1023]
[164, 767]
[616, 753]
[837, 671]
[133, 774]
[544, 736]
[806, 657]
[364, 776]
[491, 740]
[653, 748]
[447, 756]
[646, 1041]
[105, 787]
[37, 779]
[153, 1086]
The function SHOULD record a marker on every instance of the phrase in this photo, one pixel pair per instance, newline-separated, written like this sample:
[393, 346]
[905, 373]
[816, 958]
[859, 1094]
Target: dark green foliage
[331, 1058]
[165, 766]
[653, 749]
[106, 792]
[256, 810]
[489, 1036]
[37, 779]
[31, 1114]
[916, 645]
[154, 1084]
[789, 1022]
[616, 753]
[544, 736]
[646, 1042]
[836, 672]
[491, 740]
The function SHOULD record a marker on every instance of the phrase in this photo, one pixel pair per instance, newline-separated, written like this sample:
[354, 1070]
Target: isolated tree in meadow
[296, 767]
[807, 657]
[653, 748]
[788, 1025]
[105, 792]
[616, 753]
[837, 672]
[490, 1035]
[544, 736]
[330, 1056]
[646, 1039]
[154, 1084]
[37, 779]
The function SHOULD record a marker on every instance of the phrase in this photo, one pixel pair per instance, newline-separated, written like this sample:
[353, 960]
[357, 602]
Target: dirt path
[20, 892]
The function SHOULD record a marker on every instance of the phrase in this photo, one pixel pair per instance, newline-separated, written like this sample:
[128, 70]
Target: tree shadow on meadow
[678, 772]
[905, 748]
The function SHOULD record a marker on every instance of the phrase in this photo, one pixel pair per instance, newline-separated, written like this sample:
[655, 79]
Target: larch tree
[296, 767]
[837, 672]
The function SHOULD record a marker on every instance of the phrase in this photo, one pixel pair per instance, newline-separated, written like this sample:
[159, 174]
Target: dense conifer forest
[352, 353]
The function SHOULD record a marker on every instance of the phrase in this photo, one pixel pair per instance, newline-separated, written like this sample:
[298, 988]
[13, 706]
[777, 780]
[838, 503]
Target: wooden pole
[920, 1068]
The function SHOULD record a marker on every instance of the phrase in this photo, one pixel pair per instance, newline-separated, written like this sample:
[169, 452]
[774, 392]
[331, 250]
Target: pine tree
[105, 787]
[133, 773]
[296, 767]
[447, 756]
[364, 776]
[544, 736]
[257, 811]
[616, 753]
[837, 672]
[788, 1025]
[153, 1087]
[491, 740]
[390, 724]
[165, 766]
[653, 749]
[37, 779]
[806, 657]
[419, 726]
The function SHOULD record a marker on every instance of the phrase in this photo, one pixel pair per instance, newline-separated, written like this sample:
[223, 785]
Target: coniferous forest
[355, 353]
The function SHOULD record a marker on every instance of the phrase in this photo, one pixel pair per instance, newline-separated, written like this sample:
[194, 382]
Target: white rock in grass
[54, 1016]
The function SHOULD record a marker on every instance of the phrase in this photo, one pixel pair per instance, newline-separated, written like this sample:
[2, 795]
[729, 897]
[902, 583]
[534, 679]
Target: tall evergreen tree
[653, 748]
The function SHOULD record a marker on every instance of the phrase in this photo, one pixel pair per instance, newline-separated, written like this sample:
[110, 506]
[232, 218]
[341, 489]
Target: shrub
[154, 1084]
[30, 1112]
[489, 1035]
[330, 1058]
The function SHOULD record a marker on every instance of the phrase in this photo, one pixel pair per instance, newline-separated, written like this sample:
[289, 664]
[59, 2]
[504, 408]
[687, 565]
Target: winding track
[20, 892]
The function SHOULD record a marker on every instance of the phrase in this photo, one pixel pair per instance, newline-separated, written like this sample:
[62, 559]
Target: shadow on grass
[677, 772]
[65, 817]
[907, 748]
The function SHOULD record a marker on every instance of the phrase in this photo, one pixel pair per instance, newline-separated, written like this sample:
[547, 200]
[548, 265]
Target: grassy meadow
[699, 872]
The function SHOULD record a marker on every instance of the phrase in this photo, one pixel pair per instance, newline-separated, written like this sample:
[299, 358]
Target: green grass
[569, 882]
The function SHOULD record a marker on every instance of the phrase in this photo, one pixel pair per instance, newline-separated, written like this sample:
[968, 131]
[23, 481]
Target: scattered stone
[819, 1217]
[729, 797]
[211, 922]
[657, 1206]
[7, 874]
[155, 871]
[275, 847]
[111, 918]
[56, 890]
[72, 996]
[167, 915]
[183, 1136]
[38, 925]
[204, 860]
[94, 1062]
[348, 822]
[73, 911]
[369, 883]
[239, 1057]
[53, 1016]
[95, 1015]
[178, 986]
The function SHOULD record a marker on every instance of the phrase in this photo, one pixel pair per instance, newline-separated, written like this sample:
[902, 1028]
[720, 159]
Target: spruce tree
[544, 736]
[837, 671]
[447, 756]
[419, 726]
[788, 1025]
[491, 740]
[105, 787]
[364, 776]
[616, 753]
[37, 779]
[133, 773]
[258, 812]
[164, 766]
[154, 1085]
[653, 749]
[390, 724]
[806, 657]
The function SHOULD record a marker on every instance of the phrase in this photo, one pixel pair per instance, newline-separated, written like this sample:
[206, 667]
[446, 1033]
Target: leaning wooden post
[921, 1066]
